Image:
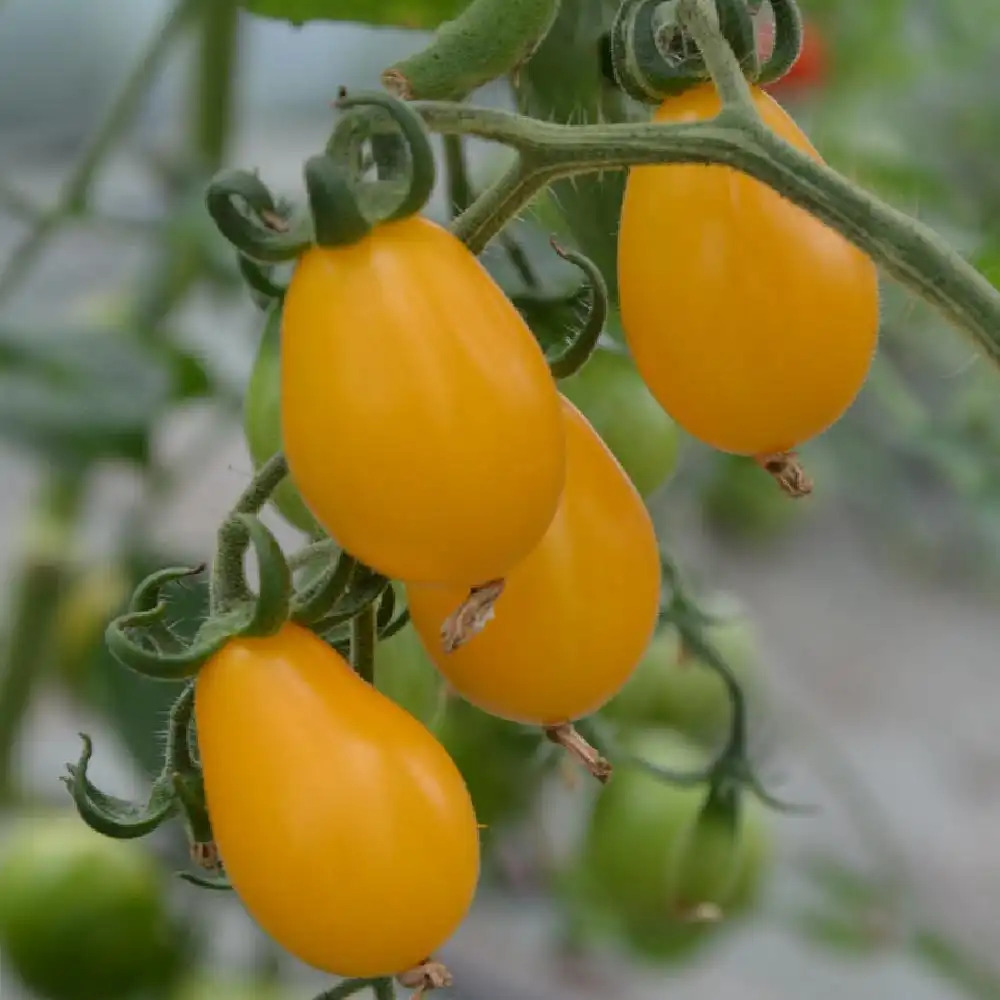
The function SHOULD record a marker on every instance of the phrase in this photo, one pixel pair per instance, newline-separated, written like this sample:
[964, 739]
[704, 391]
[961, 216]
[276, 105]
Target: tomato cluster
[432, 456]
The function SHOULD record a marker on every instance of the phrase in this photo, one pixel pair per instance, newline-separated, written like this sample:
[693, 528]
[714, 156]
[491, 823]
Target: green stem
[363, 639]
[73, 196]
[215, 81]
[347, 988]
[457, 173]
[38, 590]
[489, 39]
[905, 248]
[953, 964]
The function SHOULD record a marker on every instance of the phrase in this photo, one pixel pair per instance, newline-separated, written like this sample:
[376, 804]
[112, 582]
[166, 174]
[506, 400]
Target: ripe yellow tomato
[753, 323]
[343, 825]
[420, 420]
[575, 616]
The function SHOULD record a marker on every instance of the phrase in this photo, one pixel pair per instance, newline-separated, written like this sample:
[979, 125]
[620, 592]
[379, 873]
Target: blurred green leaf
[79, 395]
[398, 13]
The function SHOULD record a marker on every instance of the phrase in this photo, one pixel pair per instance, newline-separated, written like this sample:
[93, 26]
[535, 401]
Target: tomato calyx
[428, 975]
[471, 616]
[579, 748]
[652, 56]
[787, 471]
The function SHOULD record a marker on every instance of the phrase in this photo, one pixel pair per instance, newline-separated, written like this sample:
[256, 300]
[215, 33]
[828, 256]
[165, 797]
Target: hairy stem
[905, 248]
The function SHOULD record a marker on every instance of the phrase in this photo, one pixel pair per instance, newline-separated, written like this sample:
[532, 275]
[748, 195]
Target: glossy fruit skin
[262, 421]
[610, 393]
[342, 823]
[628, 863]
[670, 688]
[420, 420]
[83, 917]
[575, 615]
[752, 323]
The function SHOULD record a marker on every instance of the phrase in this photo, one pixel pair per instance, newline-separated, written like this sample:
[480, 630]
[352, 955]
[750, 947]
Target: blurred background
[862, 621]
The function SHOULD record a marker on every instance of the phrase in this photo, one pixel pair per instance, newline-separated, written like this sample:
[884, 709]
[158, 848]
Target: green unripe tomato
[262, 421]
[612, 396]
[83, 917]
[742, 501]
[674, 689]
[641, 835]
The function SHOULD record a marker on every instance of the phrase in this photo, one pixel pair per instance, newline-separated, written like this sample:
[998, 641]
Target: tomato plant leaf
[423, 14]
[79, 395]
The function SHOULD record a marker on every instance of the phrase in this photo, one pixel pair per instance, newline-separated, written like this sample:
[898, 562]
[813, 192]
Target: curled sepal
[321, 595]
[271, 606]
[217, 883]
[399, 622]
[189, 791]
[572, 357]
[788, 33]
[245, 212]
[336, 212]
[365, 590]
[110, 815]
[391, 197]
[652, 57]
[259, 279]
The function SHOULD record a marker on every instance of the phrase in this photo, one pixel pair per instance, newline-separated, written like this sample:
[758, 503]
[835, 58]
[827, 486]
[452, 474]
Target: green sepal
[386, 609]
[366, 588]
[411, 136]
[707, 854]
[321, 595]
[397, 624]
[149, 659]
[336, 212]
[257, 229]
[110, 815]
[788, 34]
[261, 614]
[271, 607]
[264, 290]
[573, 356]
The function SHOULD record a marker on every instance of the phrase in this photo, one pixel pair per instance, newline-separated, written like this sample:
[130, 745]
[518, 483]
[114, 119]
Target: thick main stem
[38, 590]
[905, 248]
